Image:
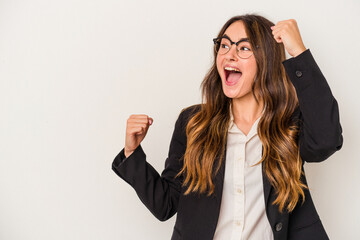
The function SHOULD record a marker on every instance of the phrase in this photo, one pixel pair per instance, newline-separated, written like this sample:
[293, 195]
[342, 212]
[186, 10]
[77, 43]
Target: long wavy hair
[207, 129]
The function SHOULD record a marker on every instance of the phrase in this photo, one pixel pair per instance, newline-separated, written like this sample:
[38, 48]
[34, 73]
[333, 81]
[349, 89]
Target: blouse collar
[234, 129]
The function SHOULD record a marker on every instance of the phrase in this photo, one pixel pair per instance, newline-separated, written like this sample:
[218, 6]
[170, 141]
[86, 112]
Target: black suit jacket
[320, 136]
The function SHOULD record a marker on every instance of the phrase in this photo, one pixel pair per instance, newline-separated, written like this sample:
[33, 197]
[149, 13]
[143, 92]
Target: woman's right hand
[136, 129]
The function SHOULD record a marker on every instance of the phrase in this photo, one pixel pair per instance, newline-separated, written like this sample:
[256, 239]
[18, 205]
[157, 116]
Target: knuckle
[129, 121]
[141, 117]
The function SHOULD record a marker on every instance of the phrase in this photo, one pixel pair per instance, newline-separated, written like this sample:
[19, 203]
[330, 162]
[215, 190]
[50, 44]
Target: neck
[246, 109]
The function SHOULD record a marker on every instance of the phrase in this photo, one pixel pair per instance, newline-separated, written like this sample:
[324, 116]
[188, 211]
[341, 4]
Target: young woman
[235, 164]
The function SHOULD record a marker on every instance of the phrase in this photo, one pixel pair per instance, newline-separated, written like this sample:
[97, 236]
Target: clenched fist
[287, 32]
[136, 129]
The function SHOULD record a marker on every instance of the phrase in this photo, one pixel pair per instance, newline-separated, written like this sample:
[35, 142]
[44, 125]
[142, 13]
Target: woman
[235, 164]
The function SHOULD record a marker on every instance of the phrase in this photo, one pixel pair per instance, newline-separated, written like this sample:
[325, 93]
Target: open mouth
[232, 75]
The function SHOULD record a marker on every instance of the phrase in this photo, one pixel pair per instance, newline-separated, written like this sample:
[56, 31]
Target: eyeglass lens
[243, 48]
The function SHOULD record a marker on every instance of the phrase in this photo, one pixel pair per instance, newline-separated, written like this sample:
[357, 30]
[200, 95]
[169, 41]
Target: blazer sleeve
[320, 132]
[159, 193]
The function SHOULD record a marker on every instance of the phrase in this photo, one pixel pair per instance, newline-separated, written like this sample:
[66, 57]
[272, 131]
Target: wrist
[127, 153]
[299, 51]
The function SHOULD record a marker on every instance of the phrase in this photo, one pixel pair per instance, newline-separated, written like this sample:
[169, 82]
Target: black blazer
[320, 136]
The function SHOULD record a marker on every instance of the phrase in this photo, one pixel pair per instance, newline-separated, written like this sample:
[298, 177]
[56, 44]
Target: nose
[232, 53]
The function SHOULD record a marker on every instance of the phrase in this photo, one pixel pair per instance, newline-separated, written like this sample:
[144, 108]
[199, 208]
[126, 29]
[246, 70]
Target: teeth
[231, 69]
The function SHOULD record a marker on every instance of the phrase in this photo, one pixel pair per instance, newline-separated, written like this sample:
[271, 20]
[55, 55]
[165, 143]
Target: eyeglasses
[223, 45]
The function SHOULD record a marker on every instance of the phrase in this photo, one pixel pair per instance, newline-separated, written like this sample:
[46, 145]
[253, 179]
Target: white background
[72, 71]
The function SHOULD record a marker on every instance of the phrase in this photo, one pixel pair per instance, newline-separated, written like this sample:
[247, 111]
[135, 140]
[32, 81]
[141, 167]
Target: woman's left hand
[287, 32]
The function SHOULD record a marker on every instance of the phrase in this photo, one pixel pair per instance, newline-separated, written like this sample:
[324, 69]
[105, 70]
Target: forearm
[321, 133]
[160, 194]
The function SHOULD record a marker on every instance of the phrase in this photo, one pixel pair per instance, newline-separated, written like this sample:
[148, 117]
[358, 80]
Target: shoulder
[182, 121]
[184, 117]
[188, 112]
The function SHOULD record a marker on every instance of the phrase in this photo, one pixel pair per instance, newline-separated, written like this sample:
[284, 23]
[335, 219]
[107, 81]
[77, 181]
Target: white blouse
[242, 210]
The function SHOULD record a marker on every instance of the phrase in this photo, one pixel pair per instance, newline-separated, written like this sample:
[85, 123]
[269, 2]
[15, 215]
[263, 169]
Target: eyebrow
[241, 40]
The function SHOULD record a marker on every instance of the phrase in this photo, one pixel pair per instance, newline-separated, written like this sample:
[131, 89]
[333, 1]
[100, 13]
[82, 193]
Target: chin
[230, 94]
[237, 94]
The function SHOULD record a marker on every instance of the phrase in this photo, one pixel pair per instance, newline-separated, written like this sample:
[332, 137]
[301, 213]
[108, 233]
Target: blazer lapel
[266, 183]
[215, 201]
